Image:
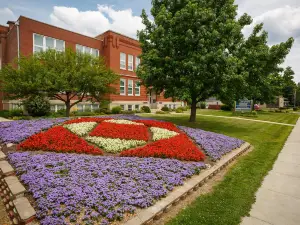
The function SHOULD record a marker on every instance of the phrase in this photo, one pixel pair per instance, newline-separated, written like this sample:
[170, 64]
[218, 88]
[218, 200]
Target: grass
[289, 118]
[232, 198]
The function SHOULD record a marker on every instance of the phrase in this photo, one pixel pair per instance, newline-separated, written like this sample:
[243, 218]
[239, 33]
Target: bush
[128, 112]
[84, 113]
[146, 109]
[203, 105]
[295, 109]
[165, 109]
[226, 108]
[37, 106]
[116, 110]
[179, 110]
[137, 111]
[246, 114]
[4, 113]
[15, 112]
[161, 112]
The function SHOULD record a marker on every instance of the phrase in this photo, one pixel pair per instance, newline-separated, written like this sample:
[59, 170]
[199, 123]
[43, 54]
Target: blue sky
[91, 17]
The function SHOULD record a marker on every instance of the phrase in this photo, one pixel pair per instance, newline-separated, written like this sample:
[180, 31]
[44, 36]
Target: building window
[53, 108]
[129, 107]
[87, 50]
[137, 107]
[122, 87]
[122, 107]
[122, 61]
[61, 107]
[43, 43]
[79, 108]
[137, 88]
[95, 107]
[137, 62]
[130, 62]
[130, 87]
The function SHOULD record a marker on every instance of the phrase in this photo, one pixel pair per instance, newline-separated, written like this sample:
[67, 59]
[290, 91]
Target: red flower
[122, 131]
[178, 147]
[58, 139]
[153, 123]
[88, 119]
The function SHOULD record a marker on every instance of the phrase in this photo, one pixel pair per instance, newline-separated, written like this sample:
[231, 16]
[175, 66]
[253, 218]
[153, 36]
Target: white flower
[160, 133]
[81, 129]
[123, 122]
[113, 145]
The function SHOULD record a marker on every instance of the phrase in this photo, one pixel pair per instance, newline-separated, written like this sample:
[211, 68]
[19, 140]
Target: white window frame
[128, 87]
[91, 50]
[130, 63]
[137, 87]
[122, 107]
[44, 43]
[124, 80]
[129, 109]
[137, 62]
[122, 62]
[136, 107]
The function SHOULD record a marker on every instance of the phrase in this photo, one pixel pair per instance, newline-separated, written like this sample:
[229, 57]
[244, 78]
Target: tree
[186, 49]
[288, 85]
[195, 49]
[64, 76]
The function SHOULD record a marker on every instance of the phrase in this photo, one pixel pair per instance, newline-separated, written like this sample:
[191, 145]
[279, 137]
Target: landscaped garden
[104, 169]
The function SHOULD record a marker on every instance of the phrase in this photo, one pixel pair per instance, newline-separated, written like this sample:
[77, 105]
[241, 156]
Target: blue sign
[243, 105]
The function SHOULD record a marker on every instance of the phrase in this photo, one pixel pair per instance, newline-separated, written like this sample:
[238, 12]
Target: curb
[147, 216]
[12, 193]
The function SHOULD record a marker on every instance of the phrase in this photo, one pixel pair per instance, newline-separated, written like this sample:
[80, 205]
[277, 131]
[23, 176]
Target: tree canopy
[195, 49]
[65, 76]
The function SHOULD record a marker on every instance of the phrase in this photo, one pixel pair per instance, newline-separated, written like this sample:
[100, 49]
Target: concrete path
[3, 119]
[239, 118]
[278, 199]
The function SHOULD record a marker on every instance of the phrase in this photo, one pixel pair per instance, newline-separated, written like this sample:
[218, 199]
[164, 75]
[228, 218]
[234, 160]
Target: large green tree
[195, 49]
[67, 76]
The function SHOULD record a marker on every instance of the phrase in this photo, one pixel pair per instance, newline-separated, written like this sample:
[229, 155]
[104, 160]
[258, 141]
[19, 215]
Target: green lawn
[232, 198]
[289, 118]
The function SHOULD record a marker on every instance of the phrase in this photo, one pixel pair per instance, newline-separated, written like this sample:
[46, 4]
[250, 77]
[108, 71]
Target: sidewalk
[3, 119]
[278, 199]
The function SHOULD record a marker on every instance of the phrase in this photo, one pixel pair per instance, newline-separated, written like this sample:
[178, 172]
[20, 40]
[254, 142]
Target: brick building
[121, 53]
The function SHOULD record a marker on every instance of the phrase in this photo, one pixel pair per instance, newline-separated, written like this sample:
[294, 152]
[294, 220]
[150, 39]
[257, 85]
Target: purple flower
[104, 188]
[215, 145]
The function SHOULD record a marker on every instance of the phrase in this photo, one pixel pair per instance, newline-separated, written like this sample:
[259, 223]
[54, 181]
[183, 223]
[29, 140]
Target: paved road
[278, 199]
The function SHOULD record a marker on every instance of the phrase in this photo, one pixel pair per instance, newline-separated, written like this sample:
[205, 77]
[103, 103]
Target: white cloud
[5, 15]
[282, 23]
[92, 23]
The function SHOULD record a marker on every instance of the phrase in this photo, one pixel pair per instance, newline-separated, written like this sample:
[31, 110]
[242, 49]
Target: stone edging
[147, 216]
[12, 194]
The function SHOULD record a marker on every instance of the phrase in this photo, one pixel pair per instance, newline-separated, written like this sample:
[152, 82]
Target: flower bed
[122, 131]
[160, 133]
[215, 145]
[160, 124]
[88, 119]
[112, 145]
[81, 128]
[96, 190]
[179, 147]
[17, 131]
[58, 139]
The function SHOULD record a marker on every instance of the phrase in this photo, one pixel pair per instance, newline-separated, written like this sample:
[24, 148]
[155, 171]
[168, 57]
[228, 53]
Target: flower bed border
[148, 215]
[18, 207]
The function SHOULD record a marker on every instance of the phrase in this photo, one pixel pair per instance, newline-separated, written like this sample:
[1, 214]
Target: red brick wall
[28, 27]
[113, 45]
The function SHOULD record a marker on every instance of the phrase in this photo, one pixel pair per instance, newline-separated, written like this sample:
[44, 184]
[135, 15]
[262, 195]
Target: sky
[281, 18]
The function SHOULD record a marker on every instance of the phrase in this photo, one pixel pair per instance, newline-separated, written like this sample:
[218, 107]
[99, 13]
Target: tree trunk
[193, 110]
[68, 108]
